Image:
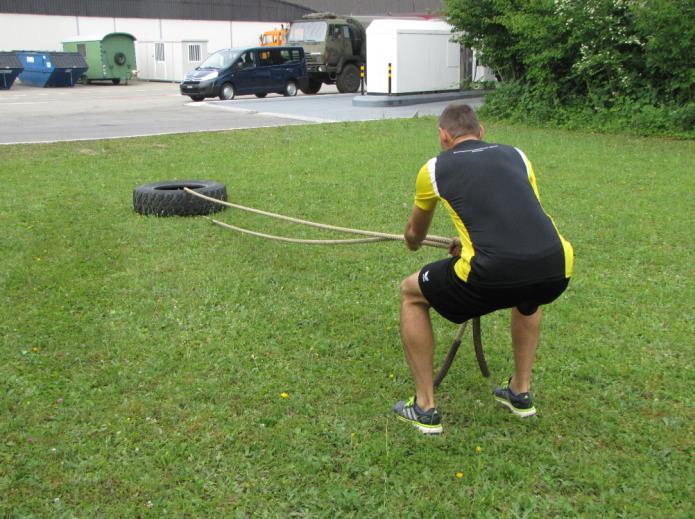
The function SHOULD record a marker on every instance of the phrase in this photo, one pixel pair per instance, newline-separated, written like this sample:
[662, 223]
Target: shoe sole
[424, 429]
[522, 413]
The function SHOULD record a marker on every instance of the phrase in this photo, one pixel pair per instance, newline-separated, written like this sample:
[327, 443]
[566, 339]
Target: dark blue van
[254, 70]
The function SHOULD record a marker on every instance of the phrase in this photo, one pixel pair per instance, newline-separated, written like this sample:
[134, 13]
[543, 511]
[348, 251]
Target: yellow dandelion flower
[391, 375]
[459, 475]
[478, 449]
[284, 395]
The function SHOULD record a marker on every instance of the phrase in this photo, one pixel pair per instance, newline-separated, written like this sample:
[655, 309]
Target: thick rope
[316, 242]
[294, 240]
[375, 234]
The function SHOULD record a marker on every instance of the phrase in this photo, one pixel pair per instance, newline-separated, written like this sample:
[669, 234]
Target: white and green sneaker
[427, 422]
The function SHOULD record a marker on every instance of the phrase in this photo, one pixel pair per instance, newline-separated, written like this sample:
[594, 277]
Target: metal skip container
[111, 56]
[10, 68]
[50, 69]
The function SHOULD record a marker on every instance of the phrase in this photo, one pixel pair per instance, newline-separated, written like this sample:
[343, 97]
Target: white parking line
[302, 118]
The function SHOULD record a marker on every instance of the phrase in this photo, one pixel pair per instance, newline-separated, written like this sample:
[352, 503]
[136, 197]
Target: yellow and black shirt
[491, 194]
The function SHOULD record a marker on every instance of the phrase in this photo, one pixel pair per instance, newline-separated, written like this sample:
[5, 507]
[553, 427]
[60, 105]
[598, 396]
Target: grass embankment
[154, 366]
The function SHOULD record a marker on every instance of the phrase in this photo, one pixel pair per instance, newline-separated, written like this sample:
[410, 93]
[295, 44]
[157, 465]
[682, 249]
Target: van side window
[290, 55]
[264, 58]
[276, 57]
[247, 60]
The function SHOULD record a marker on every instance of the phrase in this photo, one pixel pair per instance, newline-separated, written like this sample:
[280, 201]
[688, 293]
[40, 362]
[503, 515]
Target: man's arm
[417, 227]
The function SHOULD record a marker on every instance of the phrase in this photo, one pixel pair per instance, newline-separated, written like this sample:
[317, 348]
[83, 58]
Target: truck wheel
[349, 79]
[290, 89]
[312, 87]
[169, 199]
[227, 92]
[116, 81]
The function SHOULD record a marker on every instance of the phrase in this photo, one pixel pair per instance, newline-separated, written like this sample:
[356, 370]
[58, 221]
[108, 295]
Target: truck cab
[335, 48]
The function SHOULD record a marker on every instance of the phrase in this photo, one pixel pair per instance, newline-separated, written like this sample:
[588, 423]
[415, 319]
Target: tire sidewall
[290, 88]
[168, 198]
[227, 92]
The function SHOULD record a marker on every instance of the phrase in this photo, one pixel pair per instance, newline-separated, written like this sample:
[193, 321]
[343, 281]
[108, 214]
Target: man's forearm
[412, 240]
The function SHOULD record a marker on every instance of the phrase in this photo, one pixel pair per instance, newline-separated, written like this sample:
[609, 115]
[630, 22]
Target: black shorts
[458, 301]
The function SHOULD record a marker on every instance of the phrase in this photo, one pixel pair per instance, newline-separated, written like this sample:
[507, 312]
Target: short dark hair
[459, 119]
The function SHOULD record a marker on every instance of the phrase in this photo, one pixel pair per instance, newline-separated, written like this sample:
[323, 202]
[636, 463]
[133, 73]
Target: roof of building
[239, 10]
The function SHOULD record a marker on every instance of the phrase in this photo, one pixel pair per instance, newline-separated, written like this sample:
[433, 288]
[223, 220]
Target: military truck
[334, 46]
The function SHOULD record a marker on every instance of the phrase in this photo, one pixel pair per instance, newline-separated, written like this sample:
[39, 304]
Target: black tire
[197, 99]
[116, 81]
[290, 89]
[119, 58]
[227, 92]
[169, 199]
[261, 95]
[349, 79]
[311, 87]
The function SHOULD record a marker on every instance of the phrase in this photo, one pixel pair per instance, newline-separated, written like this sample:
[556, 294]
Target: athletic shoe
[427, 422]
[520, 404]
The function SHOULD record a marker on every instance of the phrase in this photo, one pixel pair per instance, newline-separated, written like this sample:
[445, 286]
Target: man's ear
[481, 133]
[444, 138]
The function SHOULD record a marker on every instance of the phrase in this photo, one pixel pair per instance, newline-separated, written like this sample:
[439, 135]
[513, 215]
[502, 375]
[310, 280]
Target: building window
[159, 52]
[194, 52]
[82, 49]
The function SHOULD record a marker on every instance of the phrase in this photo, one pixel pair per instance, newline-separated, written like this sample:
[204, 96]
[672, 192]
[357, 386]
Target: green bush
[618, 65]
[523, 103]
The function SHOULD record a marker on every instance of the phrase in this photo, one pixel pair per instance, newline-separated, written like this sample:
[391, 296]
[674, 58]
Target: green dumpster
[109, 56]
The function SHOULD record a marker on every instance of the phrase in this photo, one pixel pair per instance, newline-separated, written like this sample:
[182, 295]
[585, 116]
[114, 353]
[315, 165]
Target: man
[508, 254]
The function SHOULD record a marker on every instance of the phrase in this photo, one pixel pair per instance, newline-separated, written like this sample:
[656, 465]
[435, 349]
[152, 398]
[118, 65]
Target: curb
[372, 100]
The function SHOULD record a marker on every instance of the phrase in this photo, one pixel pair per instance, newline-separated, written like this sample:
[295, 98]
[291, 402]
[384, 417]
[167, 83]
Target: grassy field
[165, 366]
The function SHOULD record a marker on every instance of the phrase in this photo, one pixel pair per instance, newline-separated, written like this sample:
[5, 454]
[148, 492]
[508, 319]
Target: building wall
[44, 32]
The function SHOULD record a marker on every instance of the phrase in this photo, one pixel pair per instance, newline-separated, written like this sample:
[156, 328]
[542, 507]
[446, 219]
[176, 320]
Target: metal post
[362, 78]
[389, 78]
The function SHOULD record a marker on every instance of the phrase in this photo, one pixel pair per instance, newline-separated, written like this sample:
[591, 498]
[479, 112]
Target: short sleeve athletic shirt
[491, 194]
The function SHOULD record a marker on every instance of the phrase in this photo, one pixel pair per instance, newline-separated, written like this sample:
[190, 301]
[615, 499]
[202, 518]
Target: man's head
[457, 123]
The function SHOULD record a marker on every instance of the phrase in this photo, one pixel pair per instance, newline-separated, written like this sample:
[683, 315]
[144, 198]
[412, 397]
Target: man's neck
[463, 138]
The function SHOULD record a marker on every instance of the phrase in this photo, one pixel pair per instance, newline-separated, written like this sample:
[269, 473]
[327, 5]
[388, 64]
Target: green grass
[143, 359]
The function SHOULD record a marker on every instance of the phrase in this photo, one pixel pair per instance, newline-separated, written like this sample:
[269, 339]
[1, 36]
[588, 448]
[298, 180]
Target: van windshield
[307, 31]
[220, 59]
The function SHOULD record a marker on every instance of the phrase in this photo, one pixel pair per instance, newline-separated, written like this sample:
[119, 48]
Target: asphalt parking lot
[105, 111]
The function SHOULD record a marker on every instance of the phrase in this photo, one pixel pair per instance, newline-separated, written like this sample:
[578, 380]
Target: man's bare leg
[418, 340]
[526, 331]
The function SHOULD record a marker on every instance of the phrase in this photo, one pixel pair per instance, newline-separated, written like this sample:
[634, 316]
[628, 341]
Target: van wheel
[290, 89]
[197, 98]
[349, 79]
[227, 92]
[312, 87]
[261, 95]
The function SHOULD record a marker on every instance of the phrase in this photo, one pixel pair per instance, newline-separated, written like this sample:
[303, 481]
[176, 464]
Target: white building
[422, 55]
